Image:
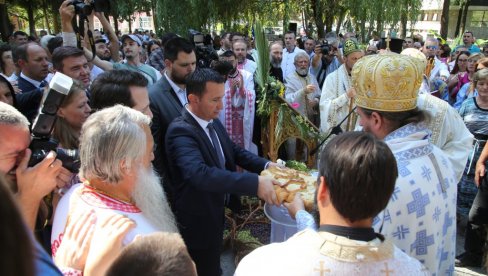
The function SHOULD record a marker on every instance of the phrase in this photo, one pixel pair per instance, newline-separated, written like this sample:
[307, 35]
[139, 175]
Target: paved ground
[228, 267]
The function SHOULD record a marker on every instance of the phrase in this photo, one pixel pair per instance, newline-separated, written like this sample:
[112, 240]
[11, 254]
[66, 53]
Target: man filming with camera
[325, 60]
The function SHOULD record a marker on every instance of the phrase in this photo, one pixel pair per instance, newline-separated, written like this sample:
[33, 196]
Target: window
[479, 19]
[434, 17]
[144, 22]
[426, 17]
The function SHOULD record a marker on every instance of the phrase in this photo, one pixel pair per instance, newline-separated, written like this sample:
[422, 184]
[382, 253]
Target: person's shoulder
[162, 85]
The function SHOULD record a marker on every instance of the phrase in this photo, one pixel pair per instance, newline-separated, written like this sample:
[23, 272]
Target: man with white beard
[116, 149]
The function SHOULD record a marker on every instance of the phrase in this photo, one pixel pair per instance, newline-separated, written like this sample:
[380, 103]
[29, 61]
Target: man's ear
[323, 197]
[192, 98]
[21, 62]
[168, 64]
[378, 121]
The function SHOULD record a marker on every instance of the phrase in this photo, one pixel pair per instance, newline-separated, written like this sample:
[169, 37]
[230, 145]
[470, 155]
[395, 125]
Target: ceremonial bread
[293, 182]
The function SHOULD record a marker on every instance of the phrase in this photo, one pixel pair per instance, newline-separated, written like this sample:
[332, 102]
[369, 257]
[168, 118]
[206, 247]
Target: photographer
[326, 60]
[32, 184]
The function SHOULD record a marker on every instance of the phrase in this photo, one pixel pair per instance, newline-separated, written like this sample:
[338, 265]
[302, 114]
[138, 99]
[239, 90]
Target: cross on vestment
[322, 269]
[386, 270]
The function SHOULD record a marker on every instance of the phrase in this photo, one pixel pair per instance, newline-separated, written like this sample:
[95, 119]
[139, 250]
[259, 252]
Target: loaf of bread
[293, 182]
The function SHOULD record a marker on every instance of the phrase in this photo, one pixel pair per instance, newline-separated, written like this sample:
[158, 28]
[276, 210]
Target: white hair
[301, 55]
[9, 115]
[109, 137]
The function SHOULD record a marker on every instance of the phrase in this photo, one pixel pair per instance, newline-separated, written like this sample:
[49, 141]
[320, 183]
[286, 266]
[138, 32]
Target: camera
[81, 8]
[203, 48]
[42, 142]
[325, 48]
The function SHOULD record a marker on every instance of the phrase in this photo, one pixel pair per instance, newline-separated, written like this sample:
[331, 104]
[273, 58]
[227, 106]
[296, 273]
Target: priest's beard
[302, 72]
[275, 63]
[150, 198]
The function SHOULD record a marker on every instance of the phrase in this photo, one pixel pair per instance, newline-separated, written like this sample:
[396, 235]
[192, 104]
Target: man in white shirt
[289, 52]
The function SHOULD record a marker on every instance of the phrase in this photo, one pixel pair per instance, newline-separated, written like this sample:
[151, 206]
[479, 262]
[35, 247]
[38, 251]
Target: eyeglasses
[432, 47]
[462, 60]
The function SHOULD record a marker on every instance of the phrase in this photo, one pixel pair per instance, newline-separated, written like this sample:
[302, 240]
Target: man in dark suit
[203, 162]
[34, 65]
[167, 97]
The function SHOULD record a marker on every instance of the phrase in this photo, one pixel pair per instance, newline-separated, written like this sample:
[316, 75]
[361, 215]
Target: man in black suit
[203, 162]
[167, 97]
[34, 65]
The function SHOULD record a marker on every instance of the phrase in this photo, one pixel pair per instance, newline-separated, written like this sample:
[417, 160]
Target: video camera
[42, 142]
[203, 48]
[81, 8]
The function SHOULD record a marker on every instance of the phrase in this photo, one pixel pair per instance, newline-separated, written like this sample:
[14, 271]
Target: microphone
[335, 130]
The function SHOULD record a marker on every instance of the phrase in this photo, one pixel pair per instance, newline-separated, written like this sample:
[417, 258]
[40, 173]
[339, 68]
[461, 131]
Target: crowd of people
[164, 146]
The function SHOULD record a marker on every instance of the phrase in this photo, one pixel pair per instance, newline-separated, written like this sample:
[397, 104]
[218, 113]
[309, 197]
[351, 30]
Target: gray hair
[9, 115]
[301, 55]
[109, 137]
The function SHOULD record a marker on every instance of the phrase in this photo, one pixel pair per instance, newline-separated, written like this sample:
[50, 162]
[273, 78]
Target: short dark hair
[231, 36]
[176, 45]
[402, 118]
[166, 37]
[112, 87]
[290, 32]
[20, 33]
[228, 53]
[63, 52]
[54, 43]
[357, 168]
[197, 81]
[155, 254]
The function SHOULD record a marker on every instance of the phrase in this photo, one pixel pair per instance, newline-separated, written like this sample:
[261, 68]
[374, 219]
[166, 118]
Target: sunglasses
[462, 60]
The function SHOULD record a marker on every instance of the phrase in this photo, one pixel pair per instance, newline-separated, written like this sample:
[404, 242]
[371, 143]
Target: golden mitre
[387, 82]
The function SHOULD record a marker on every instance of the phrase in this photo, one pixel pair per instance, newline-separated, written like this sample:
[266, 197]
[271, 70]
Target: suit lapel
[174, 98]
[189, 118]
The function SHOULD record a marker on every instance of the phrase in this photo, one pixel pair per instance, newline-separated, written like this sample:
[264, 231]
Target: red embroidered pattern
[92, 198]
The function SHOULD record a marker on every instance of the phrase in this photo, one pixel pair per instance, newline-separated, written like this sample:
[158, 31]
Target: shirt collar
[286, 50]
[203, 123]
[175, 87]
[33, 82]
